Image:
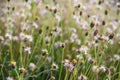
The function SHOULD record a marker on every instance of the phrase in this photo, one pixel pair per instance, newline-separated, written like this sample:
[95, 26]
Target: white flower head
[8, 36]
[84, 49]
[32, 66]
[82, 77]
[27, 50]
[9, 78]
[35, 25]
[29, 38]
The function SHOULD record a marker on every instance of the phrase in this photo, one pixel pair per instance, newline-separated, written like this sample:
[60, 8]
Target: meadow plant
[59, 39]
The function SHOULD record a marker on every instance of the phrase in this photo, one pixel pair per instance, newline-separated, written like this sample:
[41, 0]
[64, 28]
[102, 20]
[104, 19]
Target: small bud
[100, 2]
[88, 16]
[36, 18]
[106, 12]
[55, 11]
[78, 6]
[86, 33]
[8, 7]
[111, 36]
[51, 33]
[8, 0]
[13, 8]
[40, 31]
[7, 52]
[63, 45]
[26, 0]
[92, 24]
[73, 12]
[103, 23]
[47, 27]
[95, 32]
[46, 7]
[80, 13]
[96, 41]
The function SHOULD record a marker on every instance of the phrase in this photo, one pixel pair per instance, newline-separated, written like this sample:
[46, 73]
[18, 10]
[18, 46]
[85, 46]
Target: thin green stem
[61, 67]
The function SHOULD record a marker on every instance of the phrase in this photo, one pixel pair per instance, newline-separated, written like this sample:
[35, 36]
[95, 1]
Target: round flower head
[74, 62]
[111, 36]
[92, 24]
[22, 70]
[32, 66]
[82, 77]
[54, 66]
[9, 78]
[13, 64]
[44, 52]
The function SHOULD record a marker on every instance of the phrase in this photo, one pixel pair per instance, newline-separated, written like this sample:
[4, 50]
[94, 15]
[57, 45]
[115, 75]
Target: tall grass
[59, 40]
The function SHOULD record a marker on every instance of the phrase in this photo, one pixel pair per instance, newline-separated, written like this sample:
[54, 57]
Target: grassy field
[59, 40]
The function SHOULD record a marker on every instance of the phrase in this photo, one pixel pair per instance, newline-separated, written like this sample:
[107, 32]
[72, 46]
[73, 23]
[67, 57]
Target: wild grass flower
[74, 61]
[35, 25]
[82, 77]
[32, 66]
[95, 68]
[44, 52]
[92, 24]
[54, 66]
[84, 49]
[91, 60]
[71, 67]
[66, 62]
[49, 39]
[9, 78]
[27, 50]
[22, 70]
[102, 68]
[13, 64]
[116, 57]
